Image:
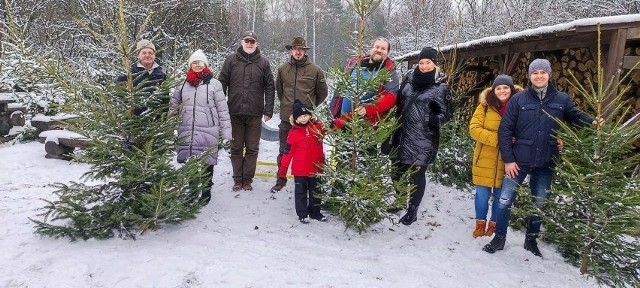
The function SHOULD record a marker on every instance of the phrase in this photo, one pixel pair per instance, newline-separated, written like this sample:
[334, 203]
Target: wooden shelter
[572, 49]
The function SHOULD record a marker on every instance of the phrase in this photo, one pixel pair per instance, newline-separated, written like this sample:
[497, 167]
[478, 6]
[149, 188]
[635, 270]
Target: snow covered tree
[357, 177]
[132, 184]
[593, 211]
[20, 71]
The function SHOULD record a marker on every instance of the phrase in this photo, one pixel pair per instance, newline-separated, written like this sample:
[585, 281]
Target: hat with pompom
[198, 56]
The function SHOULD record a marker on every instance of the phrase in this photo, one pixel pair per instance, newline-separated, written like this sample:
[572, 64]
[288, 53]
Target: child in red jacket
[304, 148]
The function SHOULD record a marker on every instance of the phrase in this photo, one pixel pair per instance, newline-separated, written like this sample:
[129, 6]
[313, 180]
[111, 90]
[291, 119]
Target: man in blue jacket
[146, 74]
[526, 138]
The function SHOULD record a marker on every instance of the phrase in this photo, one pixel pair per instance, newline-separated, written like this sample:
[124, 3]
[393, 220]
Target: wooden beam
[615, 57]
[502, 61]
[633, 33]
[630, 62]
[512, 63]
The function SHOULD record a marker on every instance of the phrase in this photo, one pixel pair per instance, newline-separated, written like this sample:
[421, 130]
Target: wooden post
[612, 70]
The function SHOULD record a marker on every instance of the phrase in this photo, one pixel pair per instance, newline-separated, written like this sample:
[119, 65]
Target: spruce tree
[357, 177]
[132, 184]
[593, 211]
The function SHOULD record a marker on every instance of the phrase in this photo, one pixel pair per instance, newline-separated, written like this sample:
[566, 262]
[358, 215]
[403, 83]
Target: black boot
[205, 197]
[531, 245]
[411, 215]
[497, 243]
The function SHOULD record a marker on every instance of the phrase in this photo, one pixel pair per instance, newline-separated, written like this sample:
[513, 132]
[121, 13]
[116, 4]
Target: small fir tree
[593, 212]
[131, 185]
[357, 177]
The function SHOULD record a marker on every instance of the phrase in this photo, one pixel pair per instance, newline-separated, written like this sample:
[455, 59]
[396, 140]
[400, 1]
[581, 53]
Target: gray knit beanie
[503, 80]
[540, 64]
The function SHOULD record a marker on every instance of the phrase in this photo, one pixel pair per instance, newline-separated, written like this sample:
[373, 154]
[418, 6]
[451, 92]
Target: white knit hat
[198, 56]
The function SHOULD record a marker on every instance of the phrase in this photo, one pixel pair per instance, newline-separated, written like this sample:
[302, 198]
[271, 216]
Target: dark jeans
[306, 205]
[539, 182]
[245, 131]
[284, 127]
[417, 178]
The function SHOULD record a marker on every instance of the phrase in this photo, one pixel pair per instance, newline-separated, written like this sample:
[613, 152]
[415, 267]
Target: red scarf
[503, 108]
[194, 78]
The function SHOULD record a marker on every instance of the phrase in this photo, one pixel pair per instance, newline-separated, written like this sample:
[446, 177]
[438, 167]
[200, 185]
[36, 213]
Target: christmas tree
[357, 178]
[592, 213]
[132, 184]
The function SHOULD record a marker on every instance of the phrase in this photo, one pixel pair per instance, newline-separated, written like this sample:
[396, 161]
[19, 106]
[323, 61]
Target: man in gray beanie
[526, 138]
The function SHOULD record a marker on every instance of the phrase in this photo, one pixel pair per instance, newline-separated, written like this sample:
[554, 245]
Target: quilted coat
[205, 115]
[487, 168]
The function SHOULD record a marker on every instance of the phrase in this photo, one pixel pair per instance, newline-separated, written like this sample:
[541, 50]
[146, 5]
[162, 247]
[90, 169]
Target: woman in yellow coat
[488, 168]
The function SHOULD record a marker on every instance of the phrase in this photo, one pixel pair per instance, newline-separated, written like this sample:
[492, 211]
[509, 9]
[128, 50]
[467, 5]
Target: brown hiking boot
[491, 228]
[237, 185]
[276, 188]
[480, 224]
[247, 186]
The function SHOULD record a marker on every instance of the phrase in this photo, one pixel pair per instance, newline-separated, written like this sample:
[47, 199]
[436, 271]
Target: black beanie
[428, 53]
[299, 108]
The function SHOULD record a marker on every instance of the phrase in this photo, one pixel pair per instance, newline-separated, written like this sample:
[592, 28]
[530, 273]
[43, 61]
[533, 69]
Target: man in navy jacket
[526, 138]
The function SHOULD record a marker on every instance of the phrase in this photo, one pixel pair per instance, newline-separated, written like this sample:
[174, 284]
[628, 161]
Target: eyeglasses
[249, 41]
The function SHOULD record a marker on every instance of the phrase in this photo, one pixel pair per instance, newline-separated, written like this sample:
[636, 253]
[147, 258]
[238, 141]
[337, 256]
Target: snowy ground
[253, 239]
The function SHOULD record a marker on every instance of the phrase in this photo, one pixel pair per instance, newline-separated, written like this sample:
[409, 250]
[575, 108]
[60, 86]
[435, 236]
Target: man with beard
[298, 79]
[373, 104]
[247, 80]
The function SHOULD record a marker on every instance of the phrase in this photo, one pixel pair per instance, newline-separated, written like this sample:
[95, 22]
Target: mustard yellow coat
[487, 166]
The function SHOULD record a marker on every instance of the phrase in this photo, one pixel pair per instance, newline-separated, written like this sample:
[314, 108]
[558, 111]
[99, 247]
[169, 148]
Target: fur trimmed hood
[482, 99]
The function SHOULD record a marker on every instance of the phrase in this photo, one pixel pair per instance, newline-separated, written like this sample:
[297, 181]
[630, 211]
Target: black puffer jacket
[419, 133]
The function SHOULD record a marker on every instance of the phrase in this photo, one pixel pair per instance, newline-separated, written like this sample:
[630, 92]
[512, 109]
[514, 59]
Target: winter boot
[411, 215]
[480, 224]
[304, 220]
[318, 216]
[531, 245]
[247, 186]
[280, 183]
[490, 229]
[497, 243]
[237, 186]
[205, 197]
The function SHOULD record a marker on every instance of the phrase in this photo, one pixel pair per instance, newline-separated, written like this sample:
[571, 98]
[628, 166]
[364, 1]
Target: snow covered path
[253, 239]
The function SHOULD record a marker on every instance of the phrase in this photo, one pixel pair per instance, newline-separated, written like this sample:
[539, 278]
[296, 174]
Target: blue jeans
[482, 202]
[539, 183]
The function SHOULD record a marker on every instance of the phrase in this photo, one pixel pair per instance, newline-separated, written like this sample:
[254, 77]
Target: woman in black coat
[423, 105]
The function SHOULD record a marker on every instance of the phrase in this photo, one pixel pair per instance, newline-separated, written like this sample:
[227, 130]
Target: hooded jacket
[304, 148]
[205, 115]
[301, 80]
[247, 81]
[487, 168]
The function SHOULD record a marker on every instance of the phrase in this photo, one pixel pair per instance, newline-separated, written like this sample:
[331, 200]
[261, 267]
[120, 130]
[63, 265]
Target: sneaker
[531, 245]
[319, 217]
[497, 243]
[247, 186]
[276, 188]
[304, 220]
[237, 185]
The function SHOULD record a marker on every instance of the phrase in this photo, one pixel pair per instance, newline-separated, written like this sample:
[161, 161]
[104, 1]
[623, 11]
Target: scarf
[503, 108]
[423, 80]
[195, 78]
